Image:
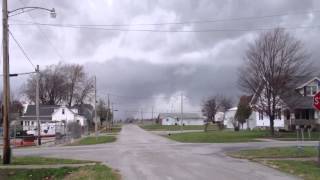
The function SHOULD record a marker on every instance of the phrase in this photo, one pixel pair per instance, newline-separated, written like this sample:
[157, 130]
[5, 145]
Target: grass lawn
[282, 152]
[157, 127]
[115, 129]
[31, 160]
[292, 136]
[66, 173]
[307, 170]
[219, 136]
[94, 140]
[276, 158]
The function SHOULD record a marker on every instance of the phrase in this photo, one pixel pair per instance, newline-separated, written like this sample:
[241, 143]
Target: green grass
[94, 140]
[35, 174]
[307, 170]
[31, 160]
[219, 136]
[94, 172]
[157, 127]
[115, 129]
[293, 135]
[65, 173]
[281, 152]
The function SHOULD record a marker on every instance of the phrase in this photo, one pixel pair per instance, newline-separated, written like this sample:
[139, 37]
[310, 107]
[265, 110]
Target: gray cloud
[146, 64]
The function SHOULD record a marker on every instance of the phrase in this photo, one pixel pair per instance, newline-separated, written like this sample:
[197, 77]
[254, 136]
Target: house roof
[44, 110]
[308, 82]
[178, 115]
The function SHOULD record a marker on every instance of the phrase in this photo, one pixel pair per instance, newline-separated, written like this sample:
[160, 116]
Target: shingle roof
[178, 115]
[44, 110]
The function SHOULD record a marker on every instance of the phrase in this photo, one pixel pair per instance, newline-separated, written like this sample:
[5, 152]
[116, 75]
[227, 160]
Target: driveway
[141, 155]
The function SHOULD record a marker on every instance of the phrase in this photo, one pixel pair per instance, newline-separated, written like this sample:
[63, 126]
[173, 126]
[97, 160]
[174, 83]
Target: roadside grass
[66, 173]
[115, 129]
[158, 127]
[307, 170]
[282, 152]
[226, 136]
[35, 174]
[91, 140]
[287, 159]
[94, 172]
[32, 160]
[219, 136]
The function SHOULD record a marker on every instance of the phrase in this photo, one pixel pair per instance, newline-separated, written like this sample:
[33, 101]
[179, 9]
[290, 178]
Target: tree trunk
[272, 125]
[206, 127]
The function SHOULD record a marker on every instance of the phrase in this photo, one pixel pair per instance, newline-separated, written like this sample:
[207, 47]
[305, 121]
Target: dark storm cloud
[200, 64]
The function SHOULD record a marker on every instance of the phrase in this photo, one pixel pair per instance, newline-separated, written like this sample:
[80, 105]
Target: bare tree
[272, 62]
[209, 110]
[61, 83]
[75, 75]
[52, 85]
[85, 92]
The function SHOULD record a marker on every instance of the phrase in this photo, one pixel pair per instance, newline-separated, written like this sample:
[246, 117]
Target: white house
[68, 115]
[256, 120]
[53, 118]
[175, 119]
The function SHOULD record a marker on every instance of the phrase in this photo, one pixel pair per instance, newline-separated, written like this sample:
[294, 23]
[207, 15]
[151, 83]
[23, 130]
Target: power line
[21, 48]
[200, 21]
[168, 31]
[43, 34]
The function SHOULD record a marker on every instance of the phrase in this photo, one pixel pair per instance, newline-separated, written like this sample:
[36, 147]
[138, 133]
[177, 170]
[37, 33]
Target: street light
[6, 74]
[21, 10]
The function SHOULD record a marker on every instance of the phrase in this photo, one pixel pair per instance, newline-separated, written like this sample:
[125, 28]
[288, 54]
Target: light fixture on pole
[6, 73]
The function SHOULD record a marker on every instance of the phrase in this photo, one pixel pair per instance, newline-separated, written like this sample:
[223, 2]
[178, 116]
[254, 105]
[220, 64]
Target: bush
[74, 129]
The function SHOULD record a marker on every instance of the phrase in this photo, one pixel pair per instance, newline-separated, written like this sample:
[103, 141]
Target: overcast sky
[137, 66]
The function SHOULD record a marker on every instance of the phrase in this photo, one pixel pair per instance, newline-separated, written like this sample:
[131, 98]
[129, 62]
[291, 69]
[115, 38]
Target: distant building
[175, 119]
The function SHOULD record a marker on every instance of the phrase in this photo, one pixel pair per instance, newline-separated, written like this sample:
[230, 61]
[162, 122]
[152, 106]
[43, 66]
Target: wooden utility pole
[152, 115]
[37, 105]
[181, 118]
[108, 128]
[6, 84]
[141, 115]
[95, 107]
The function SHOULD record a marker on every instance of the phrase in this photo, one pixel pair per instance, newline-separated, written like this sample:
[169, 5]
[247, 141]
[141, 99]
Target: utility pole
[108, 115]
[152, 115]
[6, 84]
[37, 105]
[141, 115]
[95, 107]
[112, 114]
[181, 112]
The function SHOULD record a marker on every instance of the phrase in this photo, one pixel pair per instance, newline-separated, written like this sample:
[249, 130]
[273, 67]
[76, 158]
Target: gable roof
[178, 115]
[308, 82]
[44, 110]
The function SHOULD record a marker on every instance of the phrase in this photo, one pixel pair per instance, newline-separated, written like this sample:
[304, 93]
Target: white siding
[173, 121]
[278, 123]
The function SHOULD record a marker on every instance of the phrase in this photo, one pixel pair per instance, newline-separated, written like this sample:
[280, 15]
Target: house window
[307, 114]
[311, 90]
[167, 120]
[260, 115]
[278, 114]
[62, 111]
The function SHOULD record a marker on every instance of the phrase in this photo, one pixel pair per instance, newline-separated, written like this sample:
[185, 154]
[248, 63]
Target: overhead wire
[201, 21]
[22, 50]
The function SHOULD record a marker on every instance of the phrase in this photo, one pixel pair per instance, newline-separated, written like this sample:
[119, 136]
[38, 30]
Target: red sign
[316, 101]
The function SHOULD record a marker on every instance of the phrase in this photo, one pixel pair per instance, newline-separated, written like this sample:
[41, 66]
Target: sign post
[316, 104]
